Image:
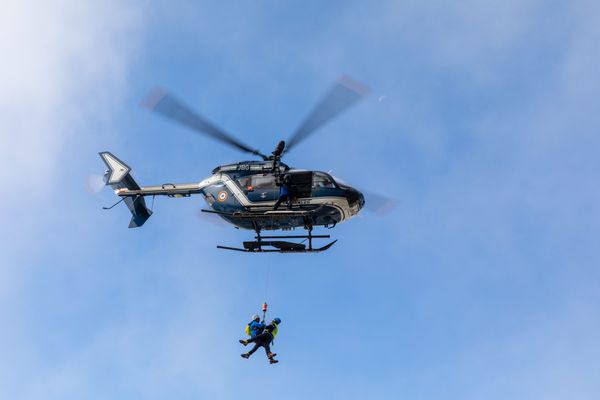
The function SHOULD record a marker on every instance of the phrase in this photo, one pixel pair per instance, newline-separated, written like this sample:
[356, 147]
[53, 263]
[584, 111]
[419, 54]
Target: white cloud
[63, 62]
[67, 64]
[64, 66]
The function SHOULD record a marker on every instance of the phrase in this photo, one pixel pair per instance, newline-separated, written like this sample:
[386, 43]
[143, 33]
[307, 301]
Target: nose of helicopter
[356, 200]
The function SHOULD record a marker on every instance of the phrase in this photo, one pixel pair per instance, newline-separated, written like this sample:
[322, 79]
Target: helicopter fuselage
[253, 188]
[245, 194]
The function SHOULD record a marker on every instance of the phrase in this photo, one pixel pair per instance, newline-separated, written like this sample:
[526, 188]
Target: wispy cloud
[487, 133]
[65, 66]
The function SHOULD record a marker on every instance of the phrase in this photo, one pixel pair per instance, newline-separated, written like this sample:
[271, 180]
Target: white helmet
[255, 317]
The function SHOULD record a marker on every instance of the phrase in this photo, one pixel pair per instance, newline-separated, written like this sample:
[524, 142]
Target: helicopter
[246, 193]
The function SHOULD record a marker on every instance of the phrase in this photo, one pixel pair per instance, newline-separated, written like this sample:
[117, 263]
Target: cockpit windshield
[322, 180]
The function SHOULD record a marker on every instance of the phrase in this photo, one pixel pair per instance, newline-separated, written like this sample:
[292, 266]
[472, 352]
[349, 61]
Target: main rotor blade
[168, 106]
[378, 203]
[342, 95]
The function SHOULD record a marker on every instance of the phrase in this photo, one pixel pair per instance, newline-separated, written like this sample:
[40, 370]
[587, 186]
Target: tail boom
[118, 176]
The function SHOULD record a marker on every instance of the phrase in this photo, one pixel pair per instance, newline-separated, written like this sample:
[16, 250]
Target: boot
[245, 355]
[271, 361]
[244, 342]
[271, 355]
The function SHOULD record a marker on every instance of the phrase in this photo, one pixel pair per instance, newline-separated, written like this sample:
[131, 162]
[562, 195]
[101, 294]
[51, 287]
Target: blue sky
[483, 122]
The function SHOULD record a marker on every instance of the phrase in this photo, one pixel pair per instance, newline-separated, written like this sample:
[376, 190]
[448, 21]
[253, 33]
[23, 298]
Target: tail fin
[118, 177]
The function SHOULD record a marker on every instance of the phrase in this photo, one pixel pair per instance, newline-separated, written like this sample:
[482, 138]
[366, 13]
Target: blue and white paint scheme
[245, 189]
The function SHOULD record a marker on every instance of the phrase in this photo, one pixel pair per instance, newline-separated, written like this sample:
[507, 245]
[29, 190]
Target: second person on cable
[261, 336]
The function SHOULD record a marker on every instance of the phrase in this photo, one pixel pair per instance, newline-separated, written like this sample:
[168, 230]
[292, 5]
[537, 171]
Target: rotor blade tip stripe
[354, 85]
[153, 98]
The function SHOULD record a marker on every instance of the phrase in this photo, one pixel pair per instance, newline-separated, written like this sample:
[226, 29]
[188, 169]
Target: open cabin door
[302, 183]
[263, 187]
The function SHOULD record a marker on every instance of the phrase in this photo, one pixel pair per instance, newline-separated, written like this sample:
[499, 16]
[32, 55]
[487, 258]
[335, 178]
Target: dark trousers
[262, 340]
[282, 198]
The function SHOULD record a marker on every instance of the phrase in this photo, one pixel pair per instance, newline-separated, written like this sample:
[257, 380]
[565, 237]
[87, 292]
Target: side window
[263, 181]
[245, 182]
[257, 182]
[322, 181]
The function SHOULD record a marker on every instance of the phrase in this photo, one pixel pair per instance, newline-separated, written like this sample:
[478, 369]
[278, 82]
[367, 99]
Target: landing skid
[281, 246]
[277, 246]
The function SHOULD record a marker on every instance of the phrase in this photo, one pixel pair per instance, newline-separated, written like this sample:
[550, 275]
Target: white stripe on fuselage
[340, 203]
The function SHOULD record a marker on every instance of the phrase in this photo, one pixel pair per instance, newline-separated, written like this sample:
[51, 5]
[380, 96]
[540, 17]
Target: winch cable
[267, 281]
[265, 305]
